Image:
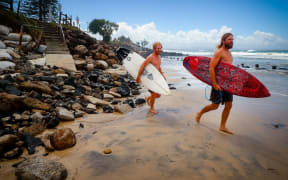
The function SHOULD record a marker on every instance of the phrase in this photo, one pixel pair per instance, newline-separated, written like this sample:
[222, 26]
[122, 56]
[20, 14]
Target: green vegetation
[39, 9]
[103, 27]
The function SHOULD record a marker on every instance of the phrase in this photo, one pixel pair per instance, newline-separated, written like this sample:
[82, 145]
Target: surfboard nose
[122, 53]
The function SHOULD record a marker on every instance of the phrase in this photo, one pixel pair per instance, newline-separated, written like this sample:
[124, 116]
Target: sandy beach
[171, 145]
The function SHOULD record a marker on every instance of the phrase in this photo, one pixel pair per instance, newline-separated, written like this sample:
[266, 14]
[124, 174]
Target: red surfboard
[230, 78]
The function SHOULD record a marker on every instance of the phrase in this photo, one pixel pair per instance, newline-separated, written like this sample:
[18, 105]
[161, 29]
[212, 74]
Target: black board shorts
[216, 97]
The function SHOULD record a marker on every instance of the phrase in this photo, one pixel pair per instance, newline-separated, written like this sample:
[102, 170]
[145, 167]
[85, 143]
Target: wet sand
[171, 145]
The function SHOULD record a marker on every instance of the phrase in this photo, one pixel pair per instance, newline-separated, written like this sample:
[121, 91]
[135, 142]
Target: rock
[10, 103]
[115, 76]
[4, 55]
[2, 45]
[80, 64]
[31, 142]
[111, 61]
[64, 115]
[130, 102]
[90, 67]
[107, 151]
[64, 76]
[16, 116]
[69, 87]
[32, 103]
[63, 138]
[4, 30]
[100, 56]
[123, 108]
[7, 142]
[39, 61]
[123, 90]
[16, 37]
[46, 141]
[42, 48]
[34, 129]
[91, 106]
[117, 95]
[41, 88]
[52, 122]
[135, 92]
[81, 49]
[37, 117]
[108, 109]
[121, 71]
[100, 64]
[16, 152]
[108, 97]
[140, 101]
[41, 169]
[96, 101]
[111, 54]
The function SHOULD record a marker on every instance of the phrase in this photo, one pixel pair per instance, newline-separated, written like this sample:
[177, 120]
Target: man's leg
[152, 101]
[225, 115]
[207, 108]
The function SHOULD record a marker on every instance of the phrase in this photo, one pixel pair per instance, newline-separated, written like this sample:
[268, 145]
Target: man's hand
[138, 80]
[217, 87]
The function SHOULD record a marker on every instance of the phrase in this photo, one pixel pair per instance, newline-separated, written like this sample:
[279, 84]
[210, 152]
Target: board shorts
[216, 97]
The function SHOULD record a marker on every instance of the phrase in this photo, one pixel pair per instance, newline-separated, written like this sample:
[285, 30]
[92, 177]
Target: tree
[39, 9]
[144, 43]
[103, 27]
[7, 4]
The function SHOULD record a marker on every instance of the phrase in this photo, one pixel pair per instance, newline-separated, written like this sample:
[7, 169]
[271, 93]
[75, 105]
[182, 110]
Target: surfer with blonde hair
[217, 95]
[155, 60]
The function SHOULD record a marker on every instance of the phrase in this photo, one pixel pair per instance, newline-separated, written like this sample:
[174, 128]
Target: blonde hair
[155, 44]
[224, 37]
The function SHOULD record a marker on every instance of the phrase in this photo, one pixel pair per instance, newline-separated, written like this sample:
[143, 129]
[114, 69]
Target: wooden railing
[65, 19]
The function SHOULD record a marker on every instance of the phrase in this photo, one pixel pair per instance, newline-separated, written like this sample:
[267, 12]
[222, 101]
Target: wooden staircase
[54, 39]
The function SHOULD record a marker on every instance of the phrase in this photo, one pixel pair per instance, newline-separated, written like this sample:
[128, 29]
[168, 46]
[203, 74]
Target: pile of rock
[89, 52]
[35, 97]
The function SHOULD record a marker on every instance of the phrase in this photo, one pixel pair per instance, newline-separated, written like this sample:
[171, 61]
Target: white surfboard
[151, 78]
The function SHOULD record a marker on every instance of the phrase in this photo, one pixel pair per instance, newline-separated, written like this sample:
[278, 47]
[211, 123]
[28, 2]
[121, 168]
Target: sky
[191, 24]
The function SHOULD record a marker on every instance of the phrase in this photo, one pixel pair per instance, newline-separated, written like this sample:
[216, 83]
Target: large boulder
[41, 169]
[63, 138]
[4, 30]
[81, 49]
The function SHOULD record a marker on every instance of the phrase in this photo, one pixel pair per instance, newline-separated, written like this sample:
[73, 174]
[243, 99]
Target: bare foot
[226, 130]
[153, 111]
[197, 118]
[147, 100]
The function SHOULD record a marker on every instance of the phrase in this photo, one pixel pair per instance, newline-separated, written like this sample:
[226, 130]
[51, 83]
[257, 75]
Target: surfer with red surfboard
[217, 94]
[155, 60]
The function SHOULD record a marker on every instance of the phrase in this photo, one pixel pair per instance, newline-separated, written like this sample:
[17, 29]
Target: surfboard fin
[122, 53]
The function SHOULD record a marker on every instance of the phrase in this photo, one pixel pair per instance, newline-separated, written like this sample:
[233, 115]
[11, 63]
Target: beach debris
[107, 151]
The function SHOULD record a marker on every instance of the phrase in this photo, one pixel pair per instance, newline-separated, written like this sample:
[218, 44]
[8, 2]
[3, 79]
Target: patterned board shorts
[218, 97]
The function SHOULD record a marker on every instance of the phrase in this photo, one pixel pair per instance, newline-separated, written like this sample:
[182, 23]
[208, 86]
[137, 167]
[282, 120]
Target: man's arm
[141, 69]
[213, 63]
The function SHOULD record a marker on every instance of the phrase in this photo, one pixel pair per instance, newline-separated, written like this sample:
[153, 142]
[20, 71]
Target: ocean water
[276, 80]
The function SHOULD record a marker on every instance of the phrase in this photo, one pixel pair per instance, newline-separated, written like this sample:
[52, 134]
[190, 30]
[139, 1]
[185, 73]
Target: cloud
[196, 39]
